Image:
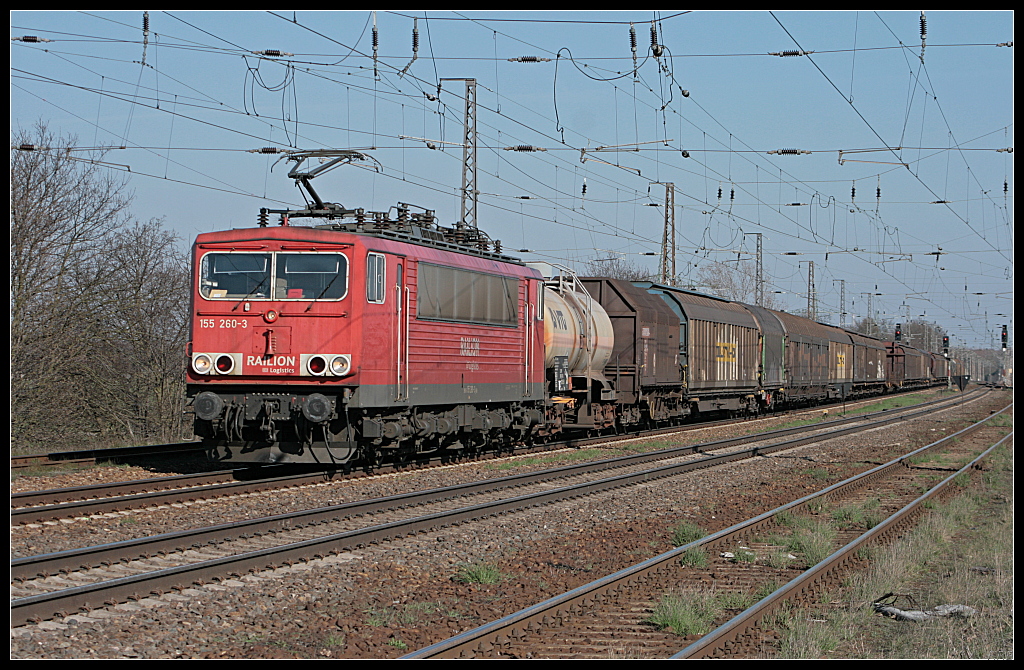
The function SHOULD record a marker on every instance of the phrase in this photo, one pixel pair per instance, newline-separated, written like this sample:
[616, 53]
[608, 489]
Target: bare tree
[732, 281]
[873, 328]
[90, 292]
[617, 267]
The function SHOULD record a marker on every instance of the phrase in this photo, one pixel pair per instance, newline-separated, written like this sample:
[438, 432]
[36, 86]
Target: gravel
[381, 601]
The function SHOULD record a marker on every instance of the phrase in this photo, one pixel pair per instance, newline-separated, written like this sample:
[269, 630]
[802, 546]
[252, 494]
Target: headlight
[202, 364]
[340, 365]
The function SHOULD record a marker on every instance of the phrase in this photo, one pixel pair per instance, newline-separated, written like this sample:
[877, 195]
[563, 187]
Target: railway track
[104, 498]
[87, 457]
[613, 616]
[278, 540]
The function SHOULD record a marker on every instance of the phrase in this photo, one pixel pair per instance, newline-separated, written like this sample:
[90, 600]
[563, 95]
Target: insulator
[719, 192]
[632, 38]
[497, 246]
[415, 38]
[271, 52]
[525, 147]
[30, 38]
[732, 194]
[145, 22]
[788, 152]
[584, 192]
[1005, 187]
[853, 192]
[656, 48]
[28, 147]
[878, 192]
[263, 218]
[924, 25]
[268, 150]
[375, 41]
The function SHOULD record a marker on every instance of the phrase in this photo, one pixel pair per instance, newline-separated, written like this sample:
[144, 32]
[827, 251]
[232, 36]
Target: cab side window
[375, 278]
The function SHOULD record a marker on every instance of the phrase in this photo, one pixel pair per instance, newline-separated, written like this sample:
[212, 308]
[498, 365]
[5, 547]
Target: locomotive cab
[270, 355]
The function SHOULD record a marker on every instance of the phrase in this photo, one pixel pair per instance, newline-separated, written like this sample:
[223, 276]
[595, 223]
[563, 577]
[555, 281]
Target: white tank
[567, 333]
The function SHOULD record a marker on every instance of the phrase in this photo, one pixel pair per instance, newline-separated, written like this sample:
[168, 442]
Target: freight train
[369, 338]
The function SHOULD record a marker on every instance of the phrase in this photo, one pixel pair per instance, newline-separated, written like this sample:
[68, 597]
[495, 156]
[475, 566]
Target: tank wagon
[370, 338]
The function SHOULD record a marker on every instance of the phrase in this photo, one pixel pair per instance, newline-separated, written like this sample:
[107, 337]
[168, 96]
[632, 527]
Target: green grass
[812, 536]
[397, 616]
[864, 515]
[554, 459]
[686, 532]
[694, 611]
[743, 555]
[479, 573]
[694, 557]
[690, 612]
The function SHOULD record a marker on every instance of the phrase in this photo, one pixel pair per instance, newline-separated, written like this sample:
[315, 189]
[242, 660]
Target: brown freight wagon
[720, 349]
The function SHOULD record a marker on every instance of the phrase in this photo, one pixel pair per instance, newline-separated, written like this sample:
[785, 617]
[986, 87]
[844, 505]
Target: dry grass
[961, 554]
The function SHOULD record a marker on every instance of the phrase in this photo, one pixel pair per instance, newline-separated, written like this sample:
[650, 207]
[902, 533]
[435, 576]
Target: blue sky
[189, 100]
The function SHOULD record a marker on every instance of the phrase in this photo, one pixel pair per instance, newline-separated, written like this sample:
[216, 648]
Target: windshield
[277, 276]
[310, 277]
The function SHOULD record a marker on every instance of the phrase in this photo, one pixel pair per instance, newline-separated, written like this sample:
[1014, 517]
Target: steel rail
[87, 597]
[94, 499]
[88, 557]
[498, 634]
[730, 633]
[93, 456]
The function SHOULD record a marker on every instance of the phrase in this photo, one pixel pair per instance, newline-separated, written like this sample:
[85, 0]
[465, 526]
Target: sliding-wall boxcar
[908, 367]
[646, 364]
[869, 365]
[720, 350]
[772, 363]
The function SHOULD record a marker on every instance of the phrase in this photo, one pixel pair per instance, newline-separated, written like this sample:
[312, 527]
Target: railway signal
[1004, 337]
[899, 332]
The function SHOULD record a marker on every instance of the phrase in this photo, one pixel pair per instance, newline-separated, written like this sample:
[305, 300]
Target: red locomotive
[313, 344]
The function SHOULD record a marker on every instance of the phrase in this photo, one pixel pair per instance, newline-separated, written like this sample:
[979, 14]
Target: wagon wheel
[374, 460]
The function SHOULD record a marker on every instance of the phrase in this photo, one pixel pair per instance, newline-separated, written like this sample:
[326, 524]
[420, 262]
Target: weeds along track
[665, 607]
[82, 579]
